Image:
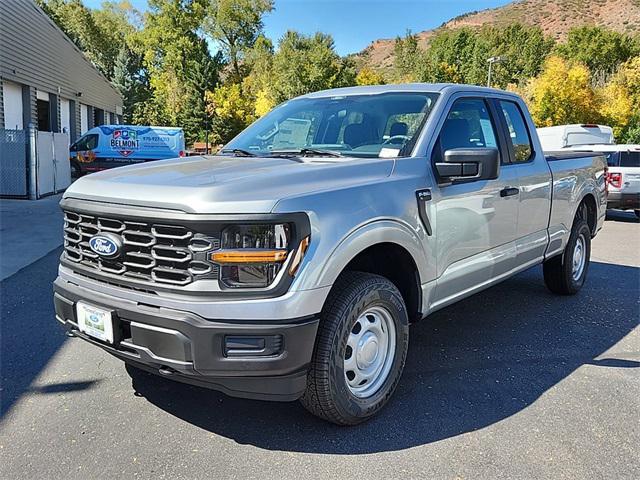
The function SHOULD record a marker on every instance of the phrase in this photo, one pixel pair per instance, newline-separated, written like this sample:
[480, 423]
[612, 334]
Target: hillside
[555, 17]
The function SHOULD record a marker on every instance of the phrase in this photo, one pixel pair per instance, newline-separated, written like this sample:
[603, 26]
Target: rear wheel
[566, 273]
[360, 350]
[637, 212]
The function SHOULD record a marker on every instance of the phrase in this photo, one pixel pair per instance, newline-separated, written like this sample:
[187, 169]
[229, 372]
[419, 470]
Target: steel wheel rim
[370, 351]
[579, 258]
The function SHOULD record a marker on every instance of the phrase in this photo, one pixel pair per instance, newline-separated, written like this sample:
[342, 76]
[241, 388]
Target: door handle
[509, 191]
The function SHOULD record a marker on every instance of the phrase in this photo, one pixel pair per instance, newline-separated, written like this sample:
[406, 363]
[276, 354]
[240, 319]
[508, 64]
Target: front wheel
[565, 274]
[360, 350]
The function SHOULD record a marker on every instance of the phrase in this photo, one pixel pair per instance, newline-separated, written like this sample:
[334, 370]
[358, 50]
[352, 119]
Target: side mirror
[469, 164]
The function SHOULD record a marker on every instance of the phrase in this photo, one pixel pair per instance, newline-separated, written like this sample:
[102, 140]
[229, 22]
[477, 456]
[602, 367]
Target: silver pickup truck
[290, 265]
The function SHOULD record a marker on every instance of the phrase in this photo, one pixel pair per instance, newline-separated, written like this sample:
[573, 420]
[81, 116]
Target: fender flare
[365, 236]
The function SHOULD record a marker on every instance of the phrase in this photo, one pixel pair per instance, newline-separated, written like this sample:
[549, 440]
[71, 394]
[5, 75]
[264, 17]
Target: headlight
[251, 256]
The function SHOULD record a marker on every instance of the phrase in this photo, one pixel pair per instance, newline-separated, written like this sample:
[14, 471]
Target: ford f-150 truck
[290, 265]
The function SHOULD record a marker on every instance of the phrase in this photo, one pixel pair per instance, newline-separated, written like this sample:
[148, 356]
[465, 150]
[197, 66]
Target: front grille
[154, 253]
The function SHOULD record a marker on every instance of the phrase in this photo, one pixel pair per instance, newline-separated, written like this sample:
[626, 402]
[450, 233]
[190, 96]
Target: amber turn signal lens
[299, 255]
[249, 256]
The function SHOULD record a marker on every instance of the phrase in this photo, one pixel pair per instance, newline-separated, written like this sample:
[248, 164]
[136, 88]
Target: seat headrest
[456, 133]
[398, 128]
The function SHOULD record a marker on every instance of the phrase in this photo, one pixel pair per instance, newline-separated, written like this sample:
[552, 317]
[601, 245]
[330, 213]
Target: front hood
[222, 184]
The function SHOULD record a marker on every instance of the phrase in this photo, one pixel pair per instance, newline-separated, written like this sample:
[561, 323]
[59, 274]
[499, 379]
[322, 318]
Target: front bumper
[623, 201]
[189, 348]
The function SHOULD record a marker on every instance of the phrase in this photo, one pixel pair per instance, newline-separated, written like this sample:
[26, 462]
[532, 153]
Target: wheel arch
[385, 248]
[587, 209]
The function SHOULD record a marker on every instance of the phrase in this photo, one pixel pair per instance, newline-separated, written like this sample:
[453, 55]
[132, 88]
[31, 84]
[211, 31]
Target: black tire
[328, 394]
[637, 212]
[559, 271]
[76, 171]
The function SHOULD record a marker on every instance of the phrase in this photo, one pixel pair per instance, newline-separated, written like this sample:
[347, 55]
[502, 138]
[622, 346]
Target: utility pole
[491, 61]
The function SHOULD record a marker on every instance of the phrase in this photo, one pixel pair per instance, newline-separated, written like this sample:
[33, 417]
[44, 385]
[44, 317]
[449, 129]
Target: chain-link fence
[13, 163]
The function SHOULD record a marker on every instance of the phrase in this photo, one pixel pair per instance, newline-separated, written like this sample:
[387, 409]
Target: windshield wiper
[308, 151]
[239, 152]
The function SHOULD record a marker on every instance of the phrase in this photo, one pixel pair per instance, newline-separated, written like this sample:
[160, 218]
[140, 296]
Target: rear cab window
[630, 159]
[519, 138]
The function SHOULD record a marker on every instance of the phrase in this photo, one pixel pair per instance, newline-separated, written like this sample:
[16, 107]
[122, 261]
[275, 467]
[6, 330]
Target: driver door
[476, 220]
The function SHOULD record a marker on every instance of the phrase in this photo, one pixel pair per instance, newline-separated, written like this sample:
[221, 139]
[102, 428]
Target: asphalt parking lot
[511, 383]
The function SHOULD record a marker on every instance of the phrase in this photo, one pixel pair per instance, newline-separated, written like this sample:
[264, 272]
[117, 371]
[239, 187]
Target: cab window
[518, 133]
[88, 142]
[630, 159]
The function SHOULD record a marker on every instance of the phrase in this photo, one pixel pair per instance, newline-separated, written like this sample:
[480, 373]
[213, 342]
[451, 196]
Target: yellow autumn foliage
[562, 94]
[367, 76]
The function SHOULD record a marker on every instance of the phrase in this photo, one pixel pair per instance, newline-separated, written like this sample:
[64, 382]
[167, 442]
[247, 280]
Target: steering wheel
[396, 140]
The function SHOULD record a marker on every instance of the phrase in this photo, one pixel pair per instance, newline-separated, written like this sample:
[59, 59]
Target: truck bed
[553, 156]
[573, 173]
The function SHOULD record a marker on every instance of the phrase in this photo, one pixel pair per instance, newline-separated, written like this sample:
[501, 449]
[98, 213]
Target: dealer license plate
[95, 322]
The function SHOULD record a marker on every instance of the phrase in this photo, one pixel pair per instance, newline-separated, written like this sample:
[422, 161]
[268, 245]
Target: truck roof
[405, 87]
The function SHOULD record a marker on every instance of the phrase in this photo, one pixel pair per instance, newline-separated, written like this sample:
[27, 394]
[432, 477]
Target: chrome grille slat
[199, 268]
[112, 267]
[171, 275]
[170, 231]
[152, 253]
[132, 237]
[162, 252]
[110, 225]
[140, 260]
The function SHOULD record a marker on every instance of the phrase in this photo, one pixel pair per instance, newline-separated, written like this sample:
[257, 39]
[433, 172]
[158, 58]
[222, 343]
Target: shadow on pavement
[469, 366]
[64, 387]
[29, 334]
[623, 216]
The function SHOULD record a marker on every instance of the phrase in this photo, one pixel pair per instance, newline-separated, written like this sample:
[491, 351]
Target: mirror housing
[463, 164]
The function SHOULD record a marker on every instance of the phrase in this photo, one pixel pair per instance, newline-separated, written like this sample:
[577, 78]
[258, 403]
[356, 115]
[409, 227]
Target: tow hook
[166, 371]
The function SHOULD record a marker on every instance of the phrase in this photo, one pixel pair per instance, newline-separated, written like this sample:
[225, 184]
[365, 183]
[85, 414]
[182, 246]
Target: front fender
[324, 273]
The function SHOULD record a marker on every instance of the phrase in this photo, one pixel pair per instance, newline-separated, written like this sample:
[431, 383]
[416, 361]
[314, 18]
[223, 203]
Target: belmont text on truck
[290, 265]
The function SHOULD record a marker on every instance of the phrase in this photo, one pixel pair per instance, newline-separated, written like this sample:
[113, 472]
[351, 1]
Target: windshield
[384, 125]
[87, 142]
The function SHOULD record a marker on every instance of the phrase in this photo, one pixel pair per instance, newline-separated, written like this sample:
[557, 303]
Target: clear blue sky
[355, 23]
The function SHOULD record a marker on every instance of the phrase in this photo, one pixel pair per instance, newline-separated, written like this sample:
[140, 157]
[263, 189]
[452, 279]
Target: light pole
[491, 61]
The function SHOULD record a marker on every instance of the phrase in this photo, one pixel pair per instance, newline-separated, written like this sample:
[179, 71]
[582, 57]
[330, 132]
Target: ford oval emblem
[106, 245]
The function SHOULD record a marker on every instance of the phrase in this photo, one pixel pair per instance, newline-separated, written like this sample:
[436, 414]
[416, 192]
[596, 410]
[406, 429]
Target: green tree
[522, 48]
[172, 47]
[231, 110]
[129, 78]
[602, 50]
[461, 55]
[258, 83]
[236, 24]
[406, 57]
[99, 33]
[307, 64]
[77, 22]
[202, 76]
